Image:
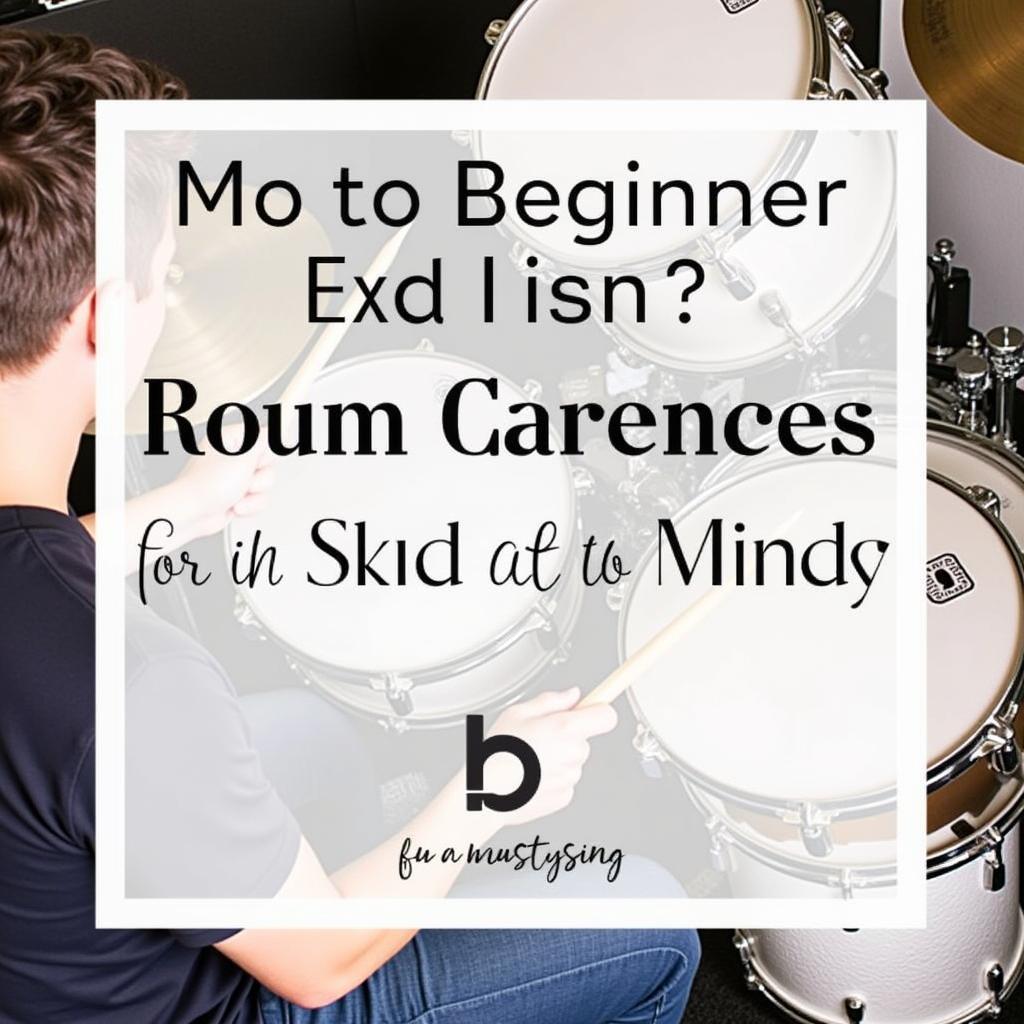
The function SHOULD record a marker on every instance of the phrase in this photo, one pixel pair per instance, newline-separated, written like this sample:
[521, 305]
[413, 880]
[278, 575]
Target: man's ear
[105, 302]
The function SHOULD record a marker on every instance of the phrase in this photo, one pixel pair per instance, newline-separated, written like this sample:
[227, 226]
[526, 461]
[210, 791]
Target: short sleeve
[201, 818]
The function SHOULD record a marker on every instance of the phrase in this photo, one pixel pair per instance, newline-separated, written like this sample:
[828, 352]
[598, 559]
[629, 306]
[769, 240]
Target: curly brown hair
[48, 87]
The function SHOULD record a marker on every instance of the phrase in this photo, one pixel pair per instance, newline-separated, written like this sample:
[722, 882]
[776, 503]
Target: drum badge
[947, 579]
[735, 6]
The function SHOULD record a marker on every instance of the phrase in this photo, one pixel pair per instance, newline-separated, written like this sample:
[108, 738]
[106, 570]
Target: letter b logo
[478, 749]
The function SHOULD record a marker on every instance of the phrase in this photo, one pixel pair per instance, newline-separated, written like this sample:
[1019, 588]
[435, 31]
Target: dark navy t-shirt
[55, 966]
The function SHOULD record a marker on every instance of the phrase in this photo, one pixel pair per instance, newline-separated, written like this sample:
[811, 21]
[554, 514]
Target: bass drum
[964, 965]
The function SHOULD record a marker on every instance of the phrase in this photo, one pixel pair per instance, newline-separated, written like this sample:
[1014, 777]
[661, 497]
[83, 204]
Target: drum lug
[995, 982]
[583, 481]
[986, 499]
[649, 749]
[424, 345]
[246, 618]
[720, 849]
[493, 31]
[519, 255]
[398, 691]
[775, 309]
[819, 89]
[1001, 746]
[615, 597]
[533, 389]
[856, 1009]
[995, 866]
[814, 832]
[462, 137]
[739, 282]
[742, 946]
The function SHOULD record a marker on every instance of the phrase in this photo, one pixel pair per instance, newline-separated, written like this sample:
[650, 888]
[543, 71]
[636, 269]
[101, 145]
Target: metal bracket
[493, 31]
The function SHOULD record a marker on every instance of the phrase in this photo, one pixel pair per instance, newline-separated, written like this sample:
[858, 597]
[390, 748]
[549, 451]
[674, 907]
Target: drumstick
[633, 669]
[325, 345]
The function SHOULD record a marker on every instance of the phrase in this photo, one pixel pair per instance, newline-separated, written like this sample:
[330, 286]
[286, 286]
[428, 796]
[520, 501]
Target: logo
[947, 579]
[735, 6]
[478, 749]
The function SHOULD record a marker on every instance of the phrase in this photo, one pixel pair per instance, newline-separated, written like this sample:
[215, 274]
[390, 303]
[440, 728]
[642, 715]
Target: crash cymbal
[236, 308]
[969, 57]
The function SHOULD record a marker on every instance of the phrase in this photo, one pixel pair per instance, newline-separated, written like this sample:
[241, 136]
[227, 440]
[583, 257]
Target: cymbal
[237, 312]
[969, 57]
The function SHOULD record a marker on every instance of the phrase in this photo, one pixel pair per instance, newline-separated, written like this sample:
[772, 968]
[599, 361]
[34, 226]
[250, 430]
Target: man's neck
[38, 444]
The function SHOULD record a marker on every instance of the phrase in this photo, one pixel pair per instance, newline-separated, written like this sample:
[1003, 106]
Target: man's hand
[558, 732]
[213, 488]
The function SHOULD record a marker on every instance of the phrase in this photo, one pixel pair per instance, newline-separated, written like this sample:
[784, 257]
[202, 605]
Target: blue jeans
[518, 977]
[313, 757]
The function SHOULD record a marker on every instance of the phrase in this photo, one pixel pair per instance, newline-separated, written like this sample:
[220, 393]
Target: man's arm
[313, 968]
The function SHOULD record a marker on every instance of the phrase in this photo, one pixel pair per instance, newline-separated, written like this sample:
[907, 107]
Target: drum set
[801, 324]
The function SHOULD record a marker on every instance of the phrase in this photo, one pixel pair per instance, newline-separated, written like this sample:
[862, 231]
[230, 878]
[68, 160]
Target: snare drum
[415, 654]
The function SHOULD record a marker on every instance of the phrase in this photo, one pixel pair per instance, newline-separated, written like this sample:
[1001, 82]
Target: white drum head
[661, 49]
[710, 702]
[975, 605]
[819, 275]
[972, 463]
[375, 629]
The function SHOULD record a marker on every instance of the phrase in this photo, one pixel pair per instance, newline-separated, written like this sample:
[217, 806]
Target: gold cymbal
[236, 308]
[969, 57]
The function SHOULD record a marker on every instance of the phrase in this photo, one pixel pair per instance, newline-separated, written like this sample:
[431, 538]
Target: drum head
[975, 607]
[662, 49]
[376, 629]
[714, 703]
[820, 276]
[972, 461]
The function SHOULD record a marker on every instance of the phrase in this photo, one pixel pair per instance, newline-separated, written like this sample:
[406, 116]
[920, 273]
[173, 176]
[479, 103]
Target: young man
[54, 965]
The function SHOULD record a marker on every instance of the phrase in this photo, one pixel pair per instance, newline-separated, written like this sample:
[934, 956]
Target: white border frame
[907, 908]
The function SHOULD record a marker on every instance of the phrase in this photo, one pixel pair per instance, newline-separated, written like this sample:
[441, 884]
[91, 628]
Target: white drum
[980, 464]
[969, 958]
[769, 307]
[416, 655]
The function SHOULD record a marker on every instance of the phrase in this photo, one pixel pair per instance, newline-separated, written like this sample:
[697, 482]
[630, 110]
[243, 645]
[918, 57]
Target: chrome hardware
[995, 982]
[856, 1009]
[839, 28]
[942, 258]
[493, 31]
[624, 377]
[739, 282]
[775, 309]
[462, 137]
[583, 481]
[995, 868]
[1005, 346]
[646, 745]
[521, 256]
[1001, 746]
[985, 499]
[246, 618]
[398, 691]
[615, 597]
[970, 385]
[533, 389]
[424, 345]
[814, 831]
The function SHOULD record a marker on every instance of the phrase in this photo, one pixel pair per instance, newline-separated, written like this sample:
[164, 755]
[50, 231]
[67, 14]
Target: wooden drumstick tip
[332, 336]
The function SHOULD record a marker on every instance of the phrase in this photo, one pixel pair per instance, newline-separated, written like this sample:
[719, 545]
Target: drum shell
[936, 974]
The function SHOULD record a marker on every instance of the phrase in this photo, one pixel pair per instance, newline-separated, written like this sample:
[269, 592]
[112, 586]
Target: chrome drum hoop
[985, 448]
